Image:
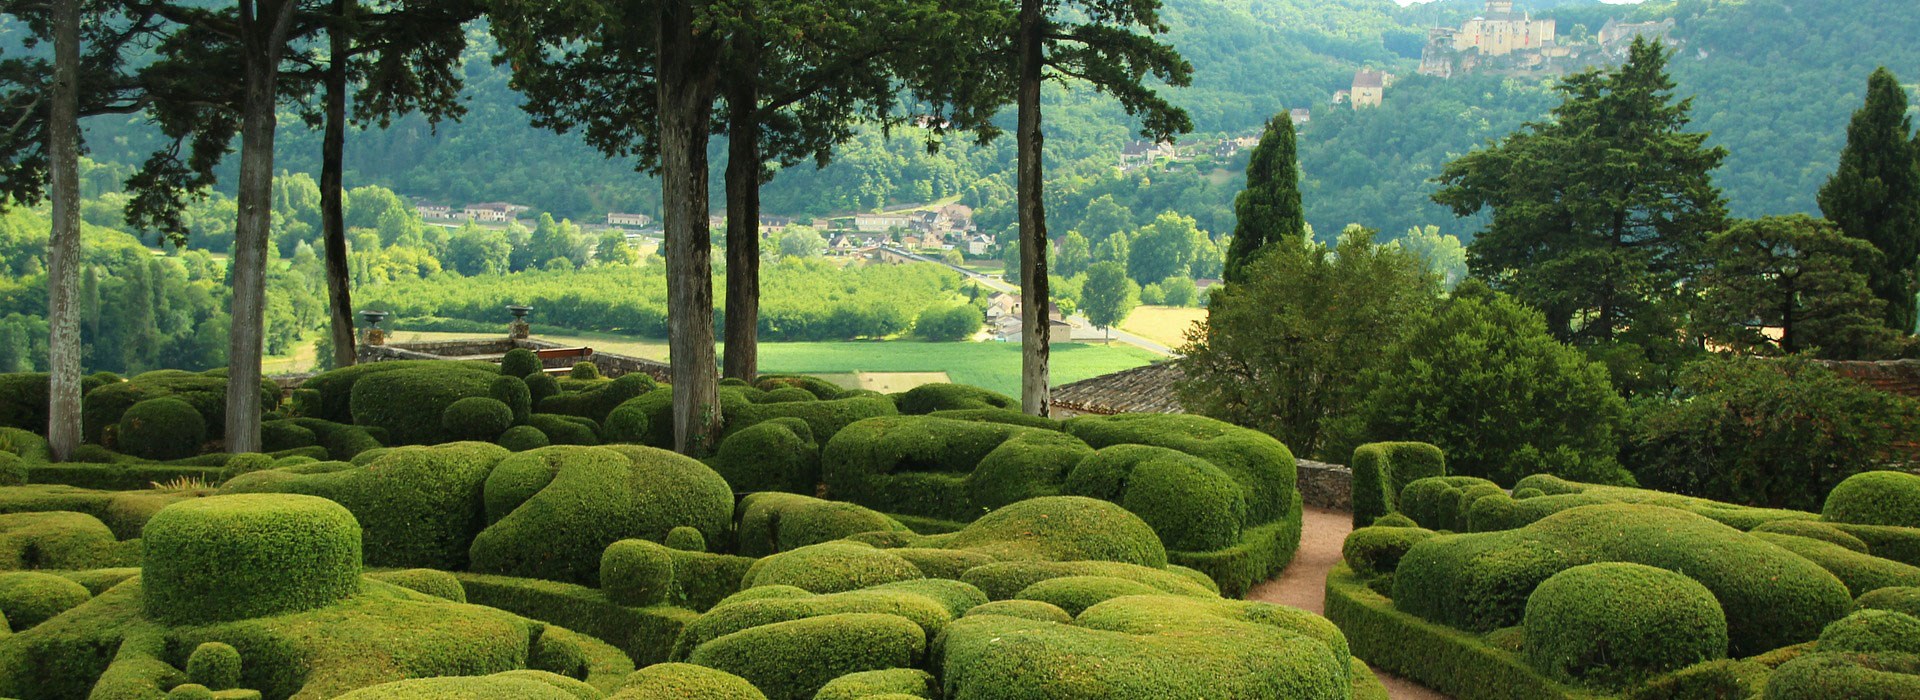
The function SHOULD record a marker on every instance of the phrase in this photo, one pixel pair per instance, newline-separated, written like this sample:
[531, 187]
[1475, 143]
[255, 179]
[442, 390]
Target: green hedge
[553, 511]
[826, 417]
[1024, 609]
[29, 597]
[1075, 594]
[1190, 503]
[1382, 469]
[1861, 572]
[942, 468]
[927, 398]
[1901, 544]
[1850, 676]
[1480, 582]
[521, 438]
[930, 604]
[1006, 580]
[566, 430]
[1873, 632]
[686, 682]
[771, 522]
[1904, 599]
[637, 573]
[206, 392]
[1262, 553]
[602, 399]
[416, 505]
[245, 556]
[792, 660]
[1825, 532]
[476, 418]
[335, 387]
[161, 429]
[520, 362]
[645, 634]
[775, 455]
[1062, 528]
[433, 582]
[1615, 625]
[1374, 551]
[911, 682]
[1260, 463]
[831, 567]
[60, 540]
[1736, 516]
[495, 687]
[1876, 498]
[408, 402]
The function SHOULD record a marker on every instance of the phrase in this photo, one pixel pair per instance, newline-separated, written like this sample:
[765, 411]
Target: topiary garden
[1559, 589]
[453, 530]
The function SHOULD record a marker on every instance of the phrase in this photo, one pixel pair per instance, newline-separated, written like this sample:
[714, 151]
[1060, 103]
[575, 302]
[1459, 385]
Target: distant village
[1506, 41]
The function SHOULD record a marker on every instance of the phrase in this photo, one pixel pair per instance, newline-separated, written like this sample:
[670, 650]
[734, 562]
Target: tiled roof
[1897, 377]
[1369, 79]
[1149, 389]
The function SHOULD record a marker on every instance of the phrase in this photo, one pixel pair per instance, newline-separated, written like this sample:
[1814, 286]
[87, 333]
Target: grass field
[1166, 325]
[992, 365]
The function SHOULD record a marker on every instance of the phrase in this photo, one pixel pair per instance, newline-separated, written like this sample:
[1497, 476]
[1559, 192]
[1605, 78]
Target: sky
[1404, 3]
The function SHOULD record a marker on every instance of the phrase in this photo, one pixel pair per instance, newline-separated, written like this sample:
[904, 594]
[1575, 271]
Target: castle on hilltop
[1506, 41]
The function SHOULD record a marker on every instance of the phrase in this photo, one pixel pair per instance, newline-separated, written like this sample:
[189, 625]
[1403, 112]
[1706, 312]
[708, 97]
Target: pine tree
[1875, 194]
[1268, 210]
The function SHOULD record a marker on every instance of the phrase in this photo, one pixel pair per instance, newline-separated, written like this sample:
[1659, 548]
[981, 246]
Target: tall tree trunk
[332, 217]
[686, 91]
[63, 248]
[262, 34]
[743, 232]
[1033, 218]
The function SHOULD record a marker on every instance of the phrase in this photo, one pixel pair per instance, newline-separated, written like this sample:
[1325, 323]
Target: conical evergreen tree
[1268, 210]
[1875, 195]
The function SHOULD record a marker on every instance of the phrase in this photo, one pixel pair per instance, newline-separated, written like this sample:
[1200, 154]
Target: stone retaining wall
[1325, 485]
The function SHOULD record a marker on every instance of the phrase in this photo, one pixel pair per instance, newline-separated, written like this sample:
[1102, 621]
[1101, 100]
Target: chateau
[1506, 41]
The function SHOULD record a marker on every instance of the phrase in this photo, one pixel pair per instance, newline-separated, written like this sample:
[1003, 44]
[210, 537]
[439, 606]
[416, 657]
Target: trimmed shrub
[1191, 504]
[59, 540]
[584, 370]
[637, 572]
[686, 539]
[1872, 632]
[1497, 511]
[1260, 463]
[831, 568]
[24, 398]
[1901, 544]
[1850, 676]
[433, 582]
[540, 386]
[1063, 528]
[1735, 516]
[565, 430]
[1876, 498]
[238, 557]
[215, 665]
[941, 468]
[1000, 415]
[1434, 502]
[1614, 625]
[773, 522]
[1861, 572]
[190, 691]
[1024, 609]
[685, 682]
[825, 417]
[1075, 594]
[409, 402]
[416, 505]
[1903, 599]
[909, 682]
[785, 394]
[943, 563]
[161, 429]
[1480, 582]
[774, 455]
[521, 438]
[1374, 551]
[822, 388]
[29, 598]
[597, 402]
[792, 660]
[1005, 580]
[278, 435]
[1814, 530]
[475, 418]
[1394, 520]
[513, 392]
[1382, 469]
[495, 687]
[553, 511]
[206, 392]
[930, 604]
[927, 398]
[520, 362]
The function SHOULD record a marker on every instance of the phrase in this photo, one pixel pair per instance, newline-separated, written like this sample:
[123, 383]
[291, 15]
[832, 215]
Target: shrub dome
[1616, 624]
[244, 556]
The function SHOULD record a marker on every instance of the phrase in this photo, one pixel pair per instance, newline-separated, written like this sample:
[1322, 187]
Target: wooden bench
[574, 354]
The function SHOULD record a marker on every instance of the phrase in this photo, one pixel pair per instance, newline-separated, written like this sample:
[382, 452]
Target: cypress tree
[1875, 194]
[1268, 210]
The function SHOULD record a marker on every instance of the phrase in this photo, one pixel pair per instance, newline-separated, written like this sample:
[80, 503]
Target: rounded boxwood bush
[1190, 503]
[1024, 609]
[1850, 676]
[1876, 498]
[521, 362]
[433, 582]
[163, 428]
[1905, 599]
[1872, 632]
[500, 686]
[584, 370]
[792, 660]
[1075, 594]
[251, 555]
[1616, 624]
[1815, 530]
[540, 386]
[774, 455]
[279, 435]
[521, 438]
[928, 398]
[1372, 551]
[866, 685]
[637, 572]
[409, 402]
[831, 567]
[29, 597]
[190, 691]
[476, 418]
[772, 521]
[678, 681]
[1063, 528]
[565, 430]
[630, 422]
[513, 392]
[1861, 572]
[215, 665]
[13, 469]
[686, 539]
[786, 394]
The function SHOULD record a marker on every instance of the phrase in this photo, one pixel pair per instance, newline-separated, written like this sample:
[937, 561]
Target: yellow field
[1166, 325]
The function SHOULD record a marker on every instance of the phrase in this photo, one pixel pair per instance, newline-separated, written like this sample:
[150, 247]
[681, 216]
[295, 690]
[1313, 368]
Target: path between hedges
[1304, 583]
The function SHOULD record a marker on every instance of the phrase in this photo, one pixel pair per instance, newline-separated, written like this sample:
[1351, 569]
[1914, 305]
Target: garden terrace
[434, 528]
[493, 349]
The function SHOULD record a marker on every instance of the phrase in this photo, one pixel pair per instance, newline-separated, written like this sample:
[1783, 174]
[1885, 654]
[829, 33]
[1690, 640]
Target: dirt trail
[1304, 583]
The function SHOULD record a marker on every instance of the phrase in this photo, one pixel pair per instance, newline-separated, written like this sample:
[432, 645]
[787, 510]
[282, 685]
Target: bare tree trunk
[63, 248]
[1033, 218]
[332, 219]
[686, 102]
[262, 36]
[743, 233]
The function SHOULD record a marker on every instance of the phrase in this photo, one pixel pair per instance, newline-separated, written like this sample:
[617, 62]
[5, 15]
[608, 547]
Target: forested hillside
[1774, 80]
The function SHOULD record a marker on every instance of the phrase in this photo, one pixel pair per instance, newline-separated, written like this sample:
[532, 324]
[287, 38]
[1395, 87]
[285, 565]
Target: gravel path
[1304, 583]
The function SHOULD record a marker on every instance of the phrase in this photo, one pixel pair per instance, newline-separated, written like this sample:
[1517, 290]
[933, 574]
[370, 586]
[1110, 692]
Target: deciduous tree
[1108, 296]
